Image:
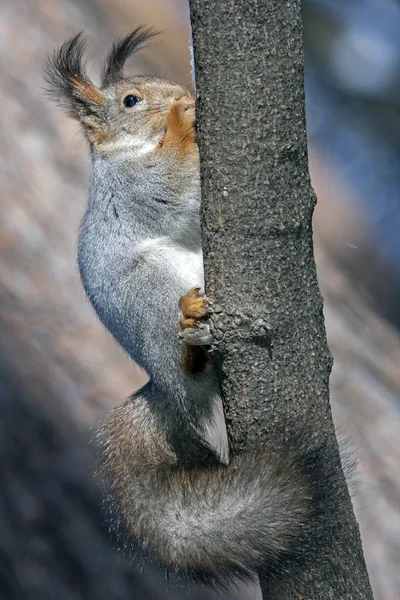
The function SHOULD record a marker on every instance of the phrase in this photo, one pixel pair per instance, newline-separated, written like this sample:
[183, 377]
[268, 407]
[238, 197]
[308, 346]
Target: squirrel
[199, 511]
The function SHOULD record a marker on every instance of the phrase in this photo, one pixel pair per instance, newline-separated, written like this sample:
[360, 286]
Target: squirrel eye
[131, 100]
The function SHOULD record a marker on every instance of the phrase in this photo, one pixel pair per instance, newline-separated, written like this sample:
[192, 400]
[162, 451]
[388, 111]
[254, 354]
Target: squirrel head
[124, 112]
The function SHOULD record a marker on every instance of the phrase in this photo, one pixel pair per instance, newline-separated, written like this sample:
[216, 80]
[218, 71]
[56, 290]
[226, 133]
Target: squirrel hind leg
[195, 334]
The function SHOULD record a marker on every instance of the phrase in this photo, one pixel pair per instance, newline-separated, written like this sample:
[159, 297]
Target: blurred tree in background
[60, 371]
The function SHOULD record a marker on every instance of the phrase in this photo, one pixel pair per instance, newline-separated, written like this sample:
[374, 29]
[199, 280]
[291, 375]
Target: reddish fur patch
[180, 133]
[86, 90]
[193, 307]
[194, 359]
[95, 131]
[97, 136]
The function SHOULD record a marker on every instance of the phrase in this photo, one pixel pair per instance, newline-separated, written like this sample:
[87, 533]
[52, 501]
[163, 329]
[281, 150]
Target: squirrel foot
[201, 336]
[194, 307]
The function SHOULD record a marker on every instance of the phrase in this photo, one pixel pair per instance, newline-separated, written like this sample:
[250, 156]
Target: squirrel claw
[199, 336]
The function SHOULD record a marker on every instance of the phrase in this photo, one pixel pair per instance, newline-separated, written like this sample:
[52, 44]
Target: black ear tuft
[67, 81]
[121, 50]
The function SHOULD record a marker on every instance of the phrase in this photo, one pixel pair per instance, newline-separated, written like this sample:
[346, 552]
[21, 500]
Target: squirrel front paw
[195, 308]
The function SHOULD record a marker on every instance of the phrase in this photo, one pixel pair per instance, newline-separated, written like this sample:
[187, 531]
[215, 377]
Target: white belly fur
[185, 264]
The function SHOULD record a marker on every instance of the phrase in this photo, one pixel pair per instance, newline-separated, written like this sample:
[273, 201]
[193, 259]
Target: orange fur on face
[180, 133]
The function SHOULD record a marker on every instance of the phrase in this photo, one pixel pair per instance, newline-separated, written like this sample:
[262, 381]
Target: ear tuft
[67, 81]
[120, 52]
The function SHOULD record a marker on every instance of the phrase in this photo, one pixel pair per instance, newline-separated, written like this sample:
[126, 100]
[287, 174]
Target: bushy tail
[216, 520]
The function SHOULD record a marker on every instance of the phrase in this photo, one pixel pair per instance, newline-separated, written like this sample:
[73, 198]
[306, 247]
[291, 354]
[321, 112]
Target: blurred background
[60, 371]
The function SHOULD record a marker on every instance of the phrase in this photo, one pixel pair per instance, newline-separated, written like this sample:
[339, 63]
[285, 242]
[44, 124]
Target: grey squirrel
[183, 498]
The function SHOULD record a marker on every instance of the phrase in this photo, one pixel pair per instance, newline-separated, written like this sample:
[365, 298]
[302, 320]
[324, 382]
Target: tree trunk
[270, 342]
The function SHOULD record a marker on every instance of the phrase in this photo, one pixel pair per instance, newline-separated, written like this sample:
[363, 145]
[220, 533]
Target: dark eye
[131, 100]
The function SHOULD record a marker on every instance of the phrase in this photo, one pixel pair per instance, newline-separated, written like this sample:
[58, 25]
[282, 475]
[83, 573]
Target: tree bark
[270, 342]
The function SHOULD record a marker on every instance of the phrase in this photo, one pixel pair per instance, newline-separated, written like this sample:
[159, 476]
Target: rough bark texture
[257, 209]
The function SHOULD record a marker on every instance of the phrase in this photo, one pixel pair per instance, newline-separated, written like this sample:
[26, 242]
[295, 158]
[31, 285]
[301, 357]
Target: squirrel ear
[68, 83]
[121, 50]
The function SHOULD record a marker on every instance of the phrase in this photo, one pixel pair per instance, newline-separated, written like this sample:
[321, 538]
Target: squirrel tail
[219, 521]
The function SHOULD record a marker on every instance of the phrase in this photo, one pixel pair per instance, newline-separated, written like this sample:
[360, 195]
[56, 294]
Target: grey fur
[163, 451]
[134, 223]
[218, 520]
